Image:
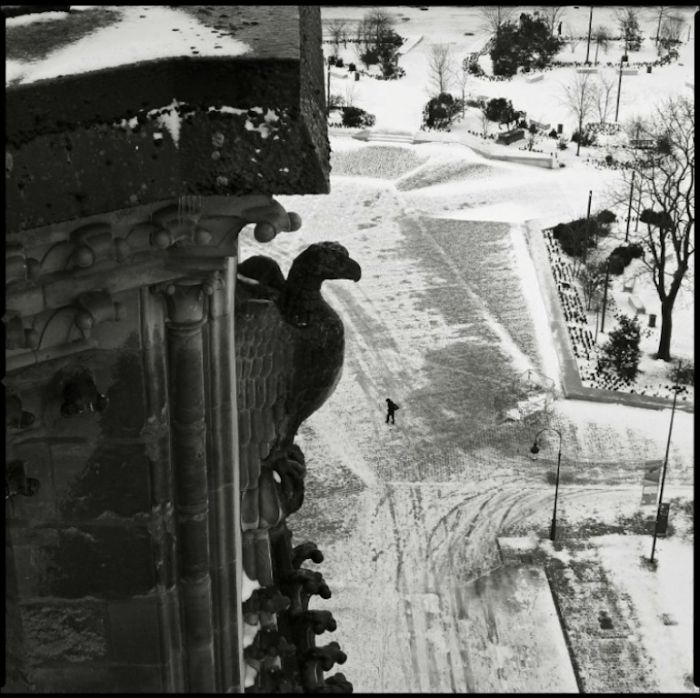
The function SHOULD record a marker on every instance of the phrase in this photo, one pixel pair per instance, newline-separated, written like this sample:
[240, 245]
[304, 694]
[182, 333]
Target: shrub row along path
[407, 515]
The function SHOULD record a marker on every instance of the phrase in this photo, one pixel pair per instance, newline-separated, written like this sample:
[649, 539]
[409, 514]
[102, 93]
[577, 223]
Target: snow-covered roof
[113, 106]
[88, 38]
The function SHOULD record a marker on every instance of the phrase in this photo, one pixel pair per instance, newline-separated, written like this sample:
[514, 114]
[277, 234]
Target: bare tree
[441, 67]
[659, 10]
[484, 121]
[337, 29]
[379, 23]
[552, 16]
[592, 276]
[350, 93]
[600, 38]
[461, 76]
[667, 204]
[363, 39]
[494, 16]
[603, 92]
[628, 21]
[671, 31]
[580, 99]
[574, 42]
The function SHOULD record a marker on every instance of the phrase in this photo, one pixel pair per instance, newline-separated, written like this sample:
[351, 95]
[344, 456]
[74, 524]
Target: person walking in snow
[391, 408]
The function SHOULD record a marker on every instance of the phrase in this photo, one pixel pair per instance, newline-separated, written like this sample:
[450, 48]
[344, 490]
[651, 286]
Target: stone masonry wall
[89, 574]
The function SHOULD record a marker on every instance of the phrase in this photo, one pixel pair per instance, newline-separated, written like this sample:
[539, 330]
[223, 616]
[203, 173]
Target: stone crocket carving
[289, 358]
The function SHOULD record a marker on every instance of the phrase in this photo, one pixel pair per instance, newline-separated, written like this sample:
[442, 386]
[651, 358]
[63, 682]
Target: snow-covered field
[398, 104]
[446, 320]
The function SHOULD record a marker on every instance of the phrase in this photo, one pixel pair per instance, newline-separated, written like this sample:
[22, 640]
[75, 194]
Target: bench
[586, 70]
[535, 78]
[630, 71]
[637, 305]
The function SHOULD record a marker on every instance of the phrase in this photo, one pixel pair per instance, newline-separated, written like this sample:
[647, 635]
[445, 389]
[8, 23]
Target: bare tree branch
[580, 99]
[441, 65]
[603, 92]
[338, 31]
[552, 15]
[494, 16]
[666, 204]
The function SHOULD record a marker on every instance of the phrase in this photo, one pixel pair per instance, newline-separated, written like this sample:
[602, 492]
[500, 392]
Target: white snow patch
[143, 34]
[502, 212]
[227, 110]
[666, 590]
[33, 18]
[249, 586]
[250, 675]
[533, 297]
[170, 120]
[249, 633]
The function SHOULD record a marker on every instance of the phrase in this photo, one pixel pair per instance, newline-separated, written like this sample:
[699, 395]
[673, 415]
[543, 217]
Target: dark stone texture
[31, 553]
[124, 333]
[110, 562]
[98, 678]
[89, 164]
[69, 457]
[40, 507]
[125, 414]
[134, 630]
[115, 479]
[72, 632]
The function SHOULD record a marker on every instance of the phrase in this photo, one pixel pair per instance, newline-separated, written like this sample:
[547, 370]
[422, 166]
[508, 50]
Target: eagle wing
[264, 367]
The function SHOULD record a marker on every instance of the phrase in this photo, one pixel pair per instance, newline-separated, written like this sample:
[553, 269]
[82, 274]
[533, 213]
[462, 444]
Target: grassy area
[32, 42]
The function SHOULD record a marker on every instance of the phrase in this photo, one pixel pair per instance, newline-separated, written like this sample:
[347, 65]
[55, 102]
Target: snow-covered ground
[444, 321]
[398, 104]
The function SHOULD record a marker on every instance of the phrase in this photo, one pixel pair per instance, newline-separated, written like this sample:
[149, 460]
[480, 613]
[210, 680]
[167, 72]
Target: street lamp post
[588, 216]
[619, 87]
[535, 449]
[328, 88]
[663, 472]
[605, 295]
[588, 45]
[629, 209]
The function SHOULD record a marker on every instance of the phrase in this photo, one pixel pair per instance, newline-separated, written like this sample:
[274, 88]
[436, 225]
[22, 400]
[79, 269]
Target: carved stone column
[187, 307]
[224, 485]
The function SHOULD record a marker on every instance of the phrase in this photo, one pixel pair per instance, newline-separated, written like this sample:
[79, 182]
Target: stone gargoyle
[289, 356]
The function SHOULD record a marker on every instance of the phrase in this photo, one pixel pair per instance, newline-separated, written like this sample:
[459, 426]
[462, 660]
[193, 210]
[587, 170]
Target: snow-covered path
[407, 515]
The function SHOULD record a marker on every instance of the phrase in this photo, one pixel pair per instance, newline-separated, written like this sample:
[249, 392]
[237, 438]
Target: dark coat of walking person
[391, 408]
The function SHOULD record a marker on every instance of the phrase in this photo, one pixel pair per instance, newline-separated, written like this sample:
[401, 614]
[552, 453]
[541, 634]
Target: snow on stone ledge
[144, 33]
[249, 586]
[33, 18]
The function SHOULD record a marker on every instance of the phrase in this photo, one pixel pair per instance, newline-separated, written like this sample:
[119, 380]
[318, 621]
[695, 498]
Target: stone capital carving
[186, 299]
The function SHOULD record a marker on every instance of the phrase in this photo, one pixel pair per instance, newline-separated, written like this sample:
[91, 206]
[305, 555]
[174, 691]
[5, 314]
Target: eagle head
[325, 260]
[262, 270]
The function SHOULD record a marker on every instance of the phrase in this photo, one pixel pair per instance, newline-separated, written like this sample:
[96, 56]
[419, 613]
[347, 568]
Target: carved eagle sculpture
[289, 357]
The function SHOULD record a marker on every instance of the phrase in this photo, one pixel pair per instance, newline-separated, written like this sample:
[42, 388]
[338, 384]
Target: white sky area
[134, 38]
